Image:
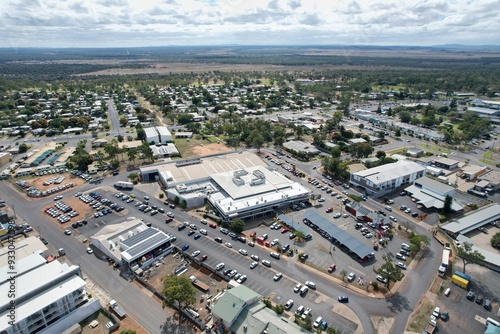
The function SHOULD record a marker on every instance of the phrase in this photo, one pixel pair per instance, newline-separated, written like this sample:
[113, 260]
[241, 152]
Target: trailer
[431, 327]
[117, 309]
[461, 282]
[200, 285]
[445, 260]
[463, 275]
[123, 185]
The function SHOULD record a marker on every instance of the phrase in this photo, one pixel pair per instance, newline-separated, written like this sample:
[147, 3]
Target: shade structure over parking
[335, 232]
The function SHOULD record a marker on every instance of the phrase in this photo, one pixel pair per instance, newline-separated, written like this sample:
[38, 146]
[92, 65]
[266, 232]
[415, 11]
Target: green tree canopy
[468, 255]
[237, 225]
[178, 291]
[495, 240]
[389, 272]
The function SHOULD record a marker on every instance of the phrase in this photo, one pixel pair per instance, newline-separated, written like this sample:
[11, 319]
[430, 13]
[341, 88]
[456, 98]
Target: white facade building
[384, 179]
[158, 135]
[237, 185]
[132, 243]
[49, 297]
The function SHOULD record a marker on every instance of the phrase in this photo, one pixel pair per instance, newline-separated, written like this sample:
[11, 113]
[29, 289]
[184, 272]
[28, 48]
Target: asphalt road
[113, 117]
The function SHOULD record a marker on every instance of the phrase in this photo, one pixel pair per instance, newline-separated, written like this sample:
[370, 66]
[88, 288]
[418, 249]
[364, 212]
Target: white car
[297, 287]
[220, 266]
[401, 265]
[254, 264]
[89, 250]
[322, 199]
[243, 252]
[195, 253]
[310, 284]
[67, 232]
[289, 304]
[277, 277]
[274, 242]
[204, 232]
[351, 277]
[228, 245]
[336, 215]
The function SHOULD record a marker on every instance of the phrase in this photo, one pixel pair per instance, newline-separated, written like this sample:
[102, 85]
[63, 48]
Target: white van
[303, 290]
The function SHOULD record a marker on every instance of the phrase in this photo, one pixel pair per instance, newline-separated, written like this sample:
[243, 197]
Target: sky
[137, 23]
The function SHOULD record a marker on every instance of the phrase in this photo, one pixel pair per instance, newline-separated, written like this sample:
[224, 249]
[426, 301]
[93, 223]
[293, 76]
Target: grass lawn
[396, 151]
[213, 139]
[420, 318]
[434, 148]
[488, 158]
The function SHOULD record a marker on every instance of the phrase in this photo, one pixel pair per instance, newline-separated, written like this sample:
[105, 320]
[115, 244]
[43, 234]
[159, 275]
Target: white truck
[117, 309]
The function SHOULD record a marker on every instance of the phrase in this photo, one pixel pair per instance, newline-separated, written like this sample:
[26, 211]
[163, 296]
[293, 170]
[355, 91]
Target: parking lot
[467, 316]
[322, 253]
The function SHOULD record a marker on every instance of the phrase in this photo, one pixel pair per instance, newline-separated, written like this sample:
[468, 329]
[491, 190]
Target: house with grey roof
[239, 310]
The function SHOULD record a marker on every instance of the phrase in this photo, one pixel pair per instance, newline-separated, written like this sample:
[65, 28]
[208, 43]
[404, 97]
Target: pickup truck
[431, 327]
[117, 309]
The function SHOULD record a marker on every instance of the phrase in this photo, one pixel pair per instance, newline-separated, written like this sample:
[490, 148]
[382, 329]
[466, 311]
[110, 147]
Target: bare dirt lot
[215, 284]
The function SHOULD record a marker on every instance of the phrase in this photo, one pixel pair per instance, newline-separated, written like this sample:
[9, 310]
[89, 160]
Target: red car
[252, 234]
[332, 268]
[212, 225]
[284, 230]
[329, 210]
[168, 220]
[202, 258]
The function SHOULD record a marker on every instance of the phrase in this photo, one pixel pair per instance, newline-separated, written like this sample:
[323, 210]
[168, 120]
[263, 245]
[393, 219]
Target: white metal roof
[474, 220]
[390, 172]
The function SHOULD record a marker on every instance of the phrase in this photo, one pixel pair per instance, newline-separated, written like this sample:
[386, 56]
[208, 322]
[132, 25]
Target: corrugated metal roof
[351, 242]
[474, 220]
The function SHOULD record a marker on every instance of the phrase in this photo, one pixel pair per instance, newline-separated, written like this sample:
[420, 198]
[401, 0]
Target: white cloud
[104, 23]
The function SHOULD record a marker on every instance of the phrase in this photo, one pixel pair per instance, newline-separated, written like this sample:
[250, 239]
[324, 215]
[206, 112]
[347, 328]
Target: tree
[389, 272]
[23, 148]
[179, 292]
[418, 241]
[111, 148]
[380, 154]
[495, 240]
[343, 273]
[331, 330]
[405, 116]
[448, 201]
[299, 132]
[132, 154]
[147, 151]
[257, 141]
[299, 235]
[237, 225]
[123, 121]
[381, 134]
[361, 126]
[468, 255]
[397, 133]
